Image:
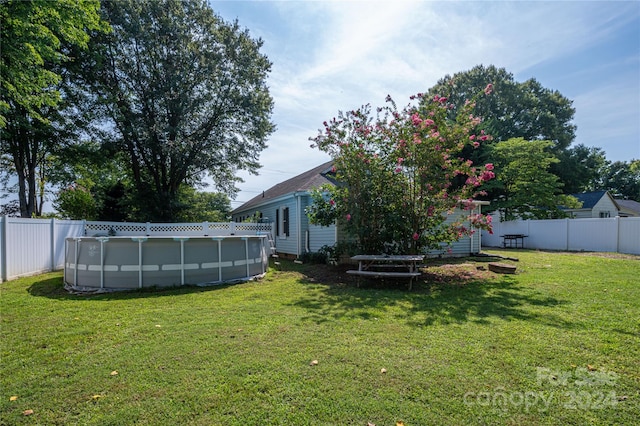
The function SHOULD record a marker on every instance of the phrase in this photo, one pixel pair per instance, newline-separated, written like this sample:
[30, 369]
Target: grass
[557, 343]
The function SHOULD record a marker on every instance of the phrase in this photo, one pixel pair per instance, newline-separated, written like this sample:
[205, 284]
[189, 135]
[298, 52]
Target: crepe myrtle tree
[400, 173]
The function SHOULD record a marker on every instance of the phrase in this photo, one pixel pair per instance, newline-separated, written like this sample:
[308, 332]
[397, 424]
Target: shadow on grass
[432, 301]
[53, 288]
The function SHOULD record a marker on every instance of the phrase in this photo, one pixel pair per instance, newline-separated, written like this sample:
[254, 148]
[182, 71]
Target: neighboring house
[595, 204]
[284, 204]
[628, 208]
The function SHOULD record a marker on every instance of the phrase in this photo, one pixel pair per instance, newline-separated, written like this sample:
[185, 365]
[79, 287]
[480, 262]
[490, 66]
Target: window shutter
[285, 221]
[277, 222]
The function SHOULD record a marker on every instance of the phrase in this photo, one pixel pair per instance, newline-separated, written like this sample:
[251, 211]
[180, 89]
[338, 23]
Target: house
[628, 208]
[284, 205]
[595, 204]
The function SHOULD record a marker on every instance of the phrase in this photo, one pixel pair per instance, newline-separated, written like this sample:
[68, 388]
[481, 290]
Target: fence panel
[617, 234]
[629, 235]
[63, 229]
[547, 234]
[28, 248]
[32, 246]
[593, 234]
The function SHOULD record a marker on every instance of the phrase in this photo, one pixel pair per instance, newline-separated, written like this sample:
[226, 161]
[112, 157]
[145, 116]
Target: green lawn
[557, 343]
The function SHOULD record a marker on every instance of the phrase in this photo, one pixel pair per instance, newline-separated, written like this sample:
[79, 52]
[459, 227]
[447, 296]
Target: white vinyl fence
[616, 234]
[33, 246]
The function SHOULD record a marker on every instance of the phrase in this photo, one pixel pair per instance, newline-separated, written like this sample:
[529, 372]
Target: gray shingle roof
[629, 204]
[589, 199]
[303, 182]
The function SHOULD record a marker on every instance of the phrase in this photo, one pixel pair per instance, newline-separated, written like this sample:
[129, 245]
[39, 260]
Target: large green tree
[38, 38]
[524, 187]
[581, 168]
[515, 110]
[185, 96]
[622, 179]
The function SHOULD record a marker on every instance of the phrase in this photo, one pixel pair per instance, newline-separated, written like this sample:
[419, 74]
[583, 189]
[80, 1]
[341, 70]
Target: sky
[330, 56]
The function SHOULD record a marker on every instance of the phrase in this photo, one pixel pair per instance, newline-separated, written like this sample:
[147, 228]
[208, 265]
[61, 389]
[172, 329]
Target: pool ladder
[273, 252]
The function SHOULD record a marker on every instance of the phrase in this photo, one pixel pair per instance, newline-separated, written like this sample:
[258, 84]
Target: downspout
[298, 223]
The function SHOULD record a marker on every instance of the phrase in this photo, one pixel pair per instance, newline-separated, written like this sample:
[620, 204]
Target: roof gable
[589, 199]
[313, 178]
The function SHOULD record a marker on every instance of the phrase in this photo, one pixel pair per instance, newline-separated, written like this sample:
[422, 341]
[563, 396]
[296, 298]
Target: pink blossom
[476, 144]
[488, 89]
[400, 160]
[472, 137]
[348, 217]
[488, 175]
[416, 236]
[429, 122]
[332, 202]
[415, 118]
[488, 166]
[398, 169]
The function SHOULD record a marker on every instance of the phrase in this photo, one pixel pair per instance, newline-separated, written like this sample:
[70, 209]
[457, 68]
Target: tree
[76, 202]
[581, 168]
[204, 206]
[186, 96]
[515, 110]
[524, 186]
[37, 38]
[622, 179]
[399, 174]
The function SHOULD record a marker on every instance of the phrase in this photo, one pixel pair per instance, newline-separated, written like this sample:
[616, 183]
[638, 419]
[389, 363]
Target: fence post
[617, 234]
[3, 249]
[52, 246]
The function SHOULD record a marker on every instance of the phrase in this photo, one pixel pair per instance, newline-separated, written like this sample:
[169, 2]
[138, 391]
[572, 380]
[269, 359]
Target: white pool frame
[102, 264]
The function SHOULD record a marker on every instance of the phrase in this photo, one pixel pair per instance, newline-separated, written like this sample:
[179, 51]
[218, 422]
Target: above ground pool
[127, 263]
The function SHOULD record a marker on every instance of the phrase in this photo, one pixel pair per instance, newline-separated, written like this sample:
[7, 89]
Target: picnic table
[512, 240]
[405, 266]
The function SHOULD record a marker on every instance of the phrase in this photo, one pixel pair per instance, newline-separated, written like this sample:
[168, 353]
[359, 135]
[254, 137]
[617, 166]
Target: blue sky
[335, 55]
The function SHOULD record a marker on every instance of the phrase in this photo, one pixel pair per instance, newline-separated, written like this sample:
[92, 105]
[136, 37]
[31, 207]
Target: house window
[605, 214]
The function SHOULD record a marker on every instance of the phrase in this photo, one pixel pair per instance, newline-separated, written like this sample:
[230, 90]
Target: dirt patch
[439, 271]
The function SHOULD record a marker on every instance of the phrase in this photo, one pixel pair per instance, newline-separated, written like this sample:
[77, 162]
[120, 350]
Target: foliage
[580, 168]
[526, 188]
[622, 179]
[40, 41]
[76, 202]
[201, 206]
[399, 174]
[184, 94]
[516, 110]
[33, 35]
